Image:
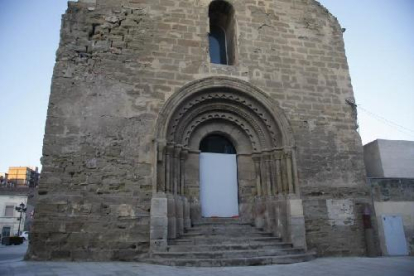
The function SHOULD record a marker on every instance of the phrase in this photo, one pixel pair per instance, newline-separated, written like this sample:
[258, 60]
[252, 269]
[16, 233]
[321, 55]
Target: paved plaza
[11, 264]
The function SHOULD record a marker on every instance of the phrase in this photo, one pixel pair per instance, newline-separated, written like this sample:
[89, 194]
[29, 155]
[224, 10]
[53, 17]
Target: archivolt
[203, 107]
[222, 98]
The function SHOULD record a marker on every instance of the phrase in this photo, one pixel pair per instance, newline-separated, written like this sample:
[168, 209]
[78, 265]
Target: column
[256, 160]
[288, 157]
[278, 158]
[168, 171]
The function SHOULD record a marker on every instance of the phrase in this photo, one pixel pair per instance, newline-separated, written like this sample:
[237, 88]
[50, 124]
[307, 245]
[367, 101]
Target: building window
[222, 33]
[9, 211]
[5, 232]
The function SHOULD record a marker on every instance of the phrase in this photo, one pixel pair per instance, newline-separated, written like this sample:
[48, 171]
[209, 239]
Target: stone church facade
[134, 95]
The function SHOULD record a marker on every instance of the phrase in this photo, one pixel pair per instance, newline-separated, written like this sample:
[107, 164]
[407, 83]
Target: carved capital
[184, 154]
[169, 149]
[177, 151]
[278, 154]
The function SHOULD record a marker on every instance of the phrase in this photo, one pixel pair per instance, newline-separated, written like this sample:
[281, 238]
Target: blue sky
[379, 44]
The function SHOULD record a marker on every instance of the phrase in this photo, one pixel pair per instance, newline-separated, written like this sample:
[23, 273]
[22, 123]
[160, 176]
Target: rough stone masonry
[134, 93]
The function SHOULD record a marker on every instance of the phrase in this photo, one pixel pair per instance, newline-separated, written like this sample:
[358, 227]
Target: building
[10, 218]
[4, 178]
[153, 103]
[17, 186]
[390, 170]
[389, 159]
[24, 176]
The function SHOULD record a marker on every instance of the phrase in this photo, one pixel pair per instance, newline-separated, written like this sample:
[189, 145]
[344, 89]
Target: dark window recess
[6, 231]
[217, 40]
[217, 144]
[222, 33]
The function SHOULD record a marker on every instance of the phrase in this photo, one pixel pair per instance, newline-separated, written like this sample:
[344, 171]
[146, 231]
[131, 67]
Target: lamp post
[21, 209]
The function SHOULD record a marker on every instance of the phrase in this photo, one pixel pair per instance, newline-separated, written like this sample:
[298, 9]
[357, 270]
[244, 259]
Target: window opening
[222, 33]
[217, 144]
[9, 211]
[6, 231]
[217, 40]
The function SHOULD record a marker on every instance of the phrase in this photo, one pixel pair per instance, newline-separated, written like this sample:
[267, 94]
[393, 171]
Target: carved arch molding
[250, 119]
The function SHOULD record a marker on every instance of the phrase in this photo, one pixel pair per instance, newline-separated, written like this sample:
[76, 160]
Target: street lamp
[21, 209]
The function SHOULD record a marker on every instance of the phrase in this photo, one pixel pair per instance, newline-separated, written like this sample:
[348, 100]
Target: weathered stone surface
[122, 73]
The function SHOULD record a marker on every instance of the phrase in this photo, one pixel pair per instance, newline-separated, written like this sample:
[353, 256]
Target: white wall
[12, 222]
[389, 159]
[397, 158]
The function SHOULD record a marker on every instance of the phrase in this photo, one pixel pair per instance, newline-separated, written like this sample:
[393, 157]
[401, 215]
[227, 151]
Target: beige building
[23, 176]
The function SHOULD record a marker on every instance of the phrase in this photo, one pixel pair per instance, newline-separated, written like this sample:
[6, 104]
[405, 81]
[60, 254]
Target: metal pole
[20, 221]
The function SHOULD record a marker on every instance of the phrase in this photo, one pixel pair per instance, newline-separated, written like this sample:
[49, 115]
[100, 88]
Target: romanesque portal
[261, 136]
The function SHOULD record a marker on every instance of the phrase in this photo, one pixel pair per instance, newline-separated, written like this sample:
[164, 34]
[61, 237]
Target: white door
[394, 236]
[218, 181]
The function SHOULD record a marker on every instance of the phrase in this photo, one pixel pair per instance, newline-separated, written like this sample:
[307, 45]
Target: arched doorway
[224, 114]
[218, 177]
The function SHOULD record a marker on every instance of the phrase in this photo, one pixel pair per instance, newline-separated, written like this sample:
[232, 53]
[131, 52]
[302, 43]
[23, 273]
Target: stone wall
[120, 60]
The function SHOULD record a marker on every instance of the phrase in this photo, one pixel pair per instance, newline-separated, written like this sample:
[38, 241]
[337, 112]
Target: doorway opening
[218, 177]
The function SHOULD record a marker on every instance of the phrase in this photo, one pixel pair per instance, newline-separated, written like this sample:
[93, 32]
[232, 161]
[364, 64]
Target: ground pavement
[11, 264]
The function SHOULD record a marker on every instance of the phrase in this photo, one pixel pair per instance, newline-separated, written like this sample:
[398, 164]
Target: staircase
[228, 242]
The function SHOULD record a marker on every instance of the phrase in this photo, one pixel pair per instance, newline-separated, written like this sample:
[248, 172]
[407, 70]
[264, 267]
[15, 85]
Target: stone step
[230, 227]
[228, 242]
[221, 226]
[226, 254]
[223, 240]
[225, 234]
[222, 247]
[263, 260]
[219, 221]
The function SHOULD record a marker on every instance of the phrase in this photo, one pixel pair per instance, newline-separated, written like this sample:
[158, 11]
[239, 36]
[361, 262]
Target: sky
[379, 42]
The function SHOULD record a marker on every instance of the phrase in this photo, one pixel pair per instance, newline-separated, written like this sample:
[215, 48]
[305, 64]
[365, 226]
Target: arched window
[217, 144]
[217, 40]
[222, 33]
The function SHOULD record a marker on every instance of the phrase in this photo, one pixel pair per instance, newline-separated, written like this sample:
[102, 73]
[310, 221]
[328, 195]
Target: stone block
[159, 207]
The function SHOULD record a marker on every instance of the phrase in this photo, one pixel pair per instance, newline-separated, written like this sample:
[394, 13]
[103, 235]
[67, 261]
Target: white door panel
[394, 236]
[218, 181]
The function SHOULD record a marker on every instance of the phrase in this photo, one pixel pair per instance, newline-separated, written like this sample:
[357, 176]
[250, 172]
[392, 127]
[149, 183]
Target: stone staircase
[228, 242]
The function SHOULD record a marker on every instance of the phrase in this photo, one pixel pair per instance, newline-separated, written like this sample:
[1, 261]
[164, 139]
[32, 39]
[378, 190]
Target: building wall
[13, 222]
[372, 160]
[119, 61]
[19, 175]
[386, 158]
[394, 197]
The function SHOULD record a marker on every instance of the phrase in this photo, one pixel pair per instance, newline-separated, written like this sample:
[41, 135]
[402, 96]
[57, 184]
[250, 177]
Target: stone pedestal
[179, 215]
[259, 213]
[270, 218]
[187, 219]
[195, 209]
[280, 229]
[295, 222]
[159, 223]
[172, 221]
